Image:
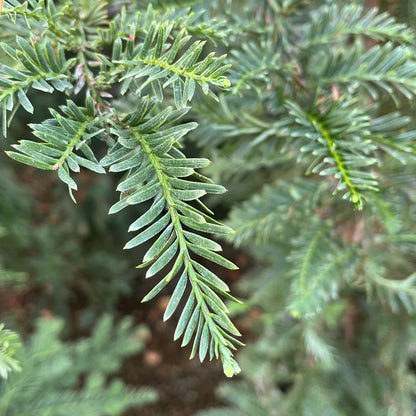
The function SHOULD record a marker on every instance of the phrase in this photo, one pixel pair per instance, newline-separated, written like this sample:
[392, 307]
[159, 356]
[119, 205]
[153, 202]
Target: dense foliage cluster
[48, 382]
[308, 122]
[124, 67]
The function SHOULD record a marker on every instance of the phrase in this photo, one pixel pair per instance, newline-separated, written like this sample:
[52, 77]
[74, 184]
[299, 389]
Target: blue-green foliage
[49, 380]
[128, 78]
[317, 144]
[313, 134]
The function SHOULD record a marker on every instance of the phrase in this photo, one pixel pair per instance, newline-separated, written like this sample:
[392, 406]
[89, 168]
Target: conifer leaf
[188, 162]
[184, 318]
[204, 343]
[202, 241]
[205, 226]
[93, 166]
[216, 258]
[42, 85]
[213, 300]
[114, 156]
[144, 194]
[188, 195]
[133, 160]
[225, 322]
[64, 175]
[197, 338]
[190, 329]
[162, 242]
[156, 290]
[163, 260]
[149, 232]
[176, 296]
[149, 216]
[142, 175]
[29, 161]
[24, 101]
[210, 277]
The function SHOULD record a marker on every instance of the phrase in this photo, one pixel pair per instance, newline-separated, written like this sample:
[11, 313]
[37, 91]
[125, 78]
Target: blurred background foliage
[330, 300]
